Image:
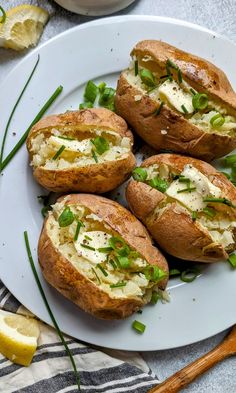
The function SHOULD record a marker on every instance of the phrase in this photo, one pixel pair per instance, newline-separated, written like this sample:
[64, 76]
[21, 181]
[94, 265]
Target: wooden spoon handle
[183, 377]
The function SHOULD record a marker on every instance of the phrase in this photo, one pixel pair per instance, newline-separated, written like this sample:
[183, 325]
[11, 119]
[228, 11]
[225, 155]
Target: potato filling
[100, 254]
[58, 150]
[198, 195]
[172, 90]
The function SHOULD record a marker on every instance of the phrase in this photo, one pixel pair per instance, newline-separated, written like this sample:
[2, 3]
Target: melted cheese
[83, 147]
[172, 92]
[193, 200]
[99, 239]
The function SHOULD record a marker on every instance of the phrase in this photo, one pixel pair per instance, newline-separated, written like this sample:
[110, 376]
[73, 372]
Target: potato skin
[62, 275]
[182, 136]
[174, 230]
[96, 178]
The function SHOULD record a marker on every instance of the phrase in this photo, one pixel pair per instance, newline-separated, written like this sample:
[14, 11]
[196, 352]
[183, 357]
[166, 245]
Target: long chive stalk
[36, 119]
[49, 309]
[14, 108]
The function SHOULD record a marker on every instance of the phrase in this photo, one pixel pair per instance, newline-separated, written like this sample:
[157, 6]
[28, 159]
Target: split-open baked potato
[188, 207]
[98, 255]
[88, 151]
[177, 101]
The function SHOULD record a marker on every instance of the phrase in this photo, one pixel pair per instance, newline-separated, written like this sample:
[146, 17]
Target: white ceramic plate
[99, 50]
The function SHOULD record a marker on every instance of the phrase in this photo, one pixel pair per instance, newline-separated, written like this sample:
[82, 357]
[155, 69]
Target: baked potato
[177, 101]
[88, 151]
[188, 207]
[98, 255]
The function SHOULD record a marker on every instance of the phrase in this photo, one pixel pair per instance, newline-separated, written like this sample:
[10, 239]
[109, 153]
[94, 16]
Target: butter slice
[99, 239]
[176, 96]
[83, 147]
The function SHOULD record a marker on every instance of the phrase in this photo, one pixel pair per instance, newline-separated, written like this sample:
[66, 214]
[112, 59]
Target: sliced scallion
[155, 297]
[94, 156]
[105, 249]
[79, 225]
[91, 92]
[106, 98]
[200, 101]
[147, 77]
[217, 120]
[66, 217]
[174, 272]
[101, 87]
[230, 160]
[171, 64]
[159, 184]
[101, 144]
[59, 152]
[232, 260]
[104, 272]
[209, 212]
[139, 174]
[86, 105]
[123, 262]
[189, 275]
[138, 326]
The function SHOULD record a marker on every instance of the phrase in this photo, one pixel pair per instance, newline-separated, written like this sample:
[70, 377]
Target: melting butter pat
[176, 96]
[80, 147]
[95, 240]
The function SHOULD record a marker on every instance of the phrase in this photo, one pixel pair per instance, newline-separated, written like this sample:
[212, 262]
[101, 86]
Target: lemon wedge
[23, 27]
[18, 337]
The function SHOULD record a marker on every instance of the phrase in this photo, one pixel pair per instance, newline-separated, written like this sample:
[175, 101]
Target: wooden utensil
[185, 376]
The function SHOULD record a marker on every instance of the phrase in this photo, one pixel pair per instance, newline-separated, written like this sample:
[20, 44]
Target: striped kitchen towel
[50, 371]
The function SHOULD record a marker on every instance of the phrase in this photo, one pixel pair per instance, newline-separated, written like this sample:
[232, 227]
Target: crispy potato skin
[173, 229]
[62, 275]
[182, 136]
[96, 178]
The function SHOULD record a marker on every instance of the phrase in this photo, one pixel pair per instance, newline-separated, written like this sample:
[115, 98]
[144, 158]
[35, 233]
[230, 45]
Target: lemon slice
[18, 337]
[23, 27]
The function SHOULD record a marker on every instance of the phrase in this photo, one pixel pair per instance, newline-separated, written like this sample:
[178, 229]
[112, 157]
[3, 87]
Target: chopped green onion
[105, 249]
[174, 272]
[217, 120]
[193, 92]
[154, 273]
[226, 174]
[230, 160]
[139, 174]
[85, 105]
[171, 64]
[113, 264]
[91, 92]
[45, 210]
[104, 272]
[189, 275]
[3, 17]
[119, 246]
[94, 271]
[87, 237]
[157, 112]
[155, 297]
[58, 153]
[147, 77]
[55, 324]
[189, 189]
[158, 183]
[183, 179]
[66, 138]
[101, 87]
[101, 144]
[232, 260]
[180, 78]
[118, 285]
[219, 200]
[94, 156]
[123, 262]
[209, 212]
[194, 216]
[184, 108]
[16, 104]
[200, 101]
[106, 99]
[66, 217]
[136, 67]
[79, 225]
[88, 247]
[138, 326]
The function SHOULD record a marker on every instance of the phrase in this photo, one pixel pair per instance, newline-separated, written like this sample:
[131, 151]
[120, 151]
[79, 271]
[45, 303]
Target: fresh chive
[87, 237]
[94, 271]
[209, 212]
[155, 297]
[58, 153]
[138, 326]
[174, 272]
[232, 260]
[159, 184]
[200, 101]
[123, 262]
[151, 89]
[3, 17]
[16, 104]
[139, 174]
[113, 264]
[147, 77]
[101, 144]
[31, 261]
[118, 285]
[91, 92]
[77, 231]
[40, 114]
[88, 247]
[119, 246]
[189, 189]
[66, 138]
[66, 217]
[225, 201]
[154, 273]
[183, 179]
[101, 87]
[94, 156]
[85, 105]
[217, 120]
[104, 272]
[171, 64]
[157, 112]
[230, 160]
[105, 249]
[194, 216]
[184, 108]
[45, 210]
[189, 275]
[106, 98]
[193, 92]
[180, 78]
[136, 67]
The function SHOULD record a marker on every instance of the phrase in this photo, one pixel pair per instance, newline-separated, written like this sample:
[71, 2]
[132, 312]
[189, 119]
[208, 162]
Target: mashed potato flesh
[77, 152]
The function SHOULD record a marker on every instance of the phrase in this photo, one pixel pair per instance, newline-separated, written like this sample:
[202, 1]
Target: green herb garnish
[200, 101]
[183, 179]
[59, 152]
[193, 92]
[189, 275]
[189, 189]
[77, 231]
[119, 246]
[171, 64]
[155, 297]
[66, 217]
[101, 87]
[55, 324]
[209, 212]
[139, 174]
[101, 144]
[123, 262]
[159, 184]
[194, 216]
[136, 67]
[154, 273]
[3, 17]
[225, 201]
[86, 105]
[66, 138]
[94, 156]
[180, 78]
[118, 285]
[45, 210]
[217, 120]
[94, 271]
[104, 272]
[230, 160]
[113, 264]
[174, 272]
[184, 108]
[88, 247]
[106, 98]
[138, 326]
[91, 92]
[157, 112]
[147, 77]
[105, 249]
[232, 260]
[87, 237]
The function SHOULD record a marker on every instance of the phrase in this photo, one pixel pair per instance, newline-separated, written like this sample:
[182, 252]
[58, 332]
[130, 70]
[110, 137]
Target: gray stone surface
[218, 15]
